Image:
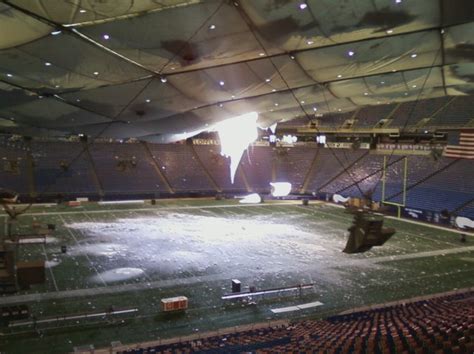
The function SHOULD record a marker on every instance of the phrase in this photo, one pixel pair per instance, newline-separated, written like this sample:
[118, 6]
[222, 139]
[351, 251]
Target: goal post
[404, 190]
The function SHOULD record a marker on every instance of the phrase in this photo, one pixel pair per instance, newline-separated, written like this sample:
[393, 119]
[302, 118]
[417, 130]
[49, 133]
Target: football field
[129, 257]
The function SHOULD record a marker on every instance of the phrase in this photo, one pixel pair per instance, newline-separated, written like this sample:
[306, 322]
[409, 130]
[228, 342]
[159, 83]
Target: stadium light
[321, 139]
[289, 139]
[280, 189]
[235, 135]
[253, 198]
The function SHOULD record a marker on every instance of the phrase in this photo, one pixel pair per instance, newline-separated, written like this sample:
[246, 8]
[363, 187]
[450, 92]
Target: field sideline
[131, 256]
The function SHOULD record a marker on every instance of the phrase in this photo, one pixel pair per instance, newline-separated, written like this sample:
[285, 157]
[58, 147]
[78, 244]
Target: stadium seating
[418, 167]
[13, 171]
[117, 165]
[74, 178]
[181, 167]
[431, 185]
[458, 113]
[446, 190]
[292, 165]
[369, 116]
[410, 113]
[434, 325]
[334, 120]
[328, 175]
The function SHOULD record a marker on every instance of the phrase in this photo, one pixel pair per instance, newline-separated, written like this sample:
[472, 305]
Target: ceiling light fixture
[55, 33]
[147, 100]
[350, 53]
[212, 27]
[303, 6]
[82, 11]
[163, 79]
[106, 36]
[221, 83]
[414, 55]
[47, 63]
[96, 73]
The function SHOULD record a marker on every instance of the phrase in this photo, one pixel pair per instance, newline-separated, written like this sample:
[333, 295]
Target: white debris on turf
[179, 243]
[51, 263]
[118, 274]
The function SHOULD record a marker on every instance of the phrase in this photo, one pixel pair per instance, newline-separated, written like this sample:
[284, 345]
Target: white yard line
[114, 289]
[285, 203]
[88, 216]
[430, 239]
[318, 211]
[49, 268]
[403, 220]
[178, 207]
[420, 254]
[79, 245]
[433, 226]
[405, 232]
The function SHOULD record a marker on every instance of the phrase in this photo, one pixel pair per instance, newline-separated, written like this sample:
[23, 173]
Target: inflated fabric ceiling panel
[164, 70]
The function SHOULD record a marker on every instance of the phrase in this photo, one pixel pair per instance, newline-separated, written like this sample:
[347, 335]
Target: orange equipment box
[174, 303]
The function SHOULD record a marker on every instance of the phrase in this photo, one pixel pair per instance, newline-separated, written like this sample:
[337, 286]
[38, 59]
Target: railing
[193, 337]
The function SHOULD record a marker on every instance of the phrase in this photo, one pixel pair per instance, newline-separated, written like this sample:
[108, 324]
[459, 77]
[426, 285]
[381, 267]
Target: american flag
[460, 145]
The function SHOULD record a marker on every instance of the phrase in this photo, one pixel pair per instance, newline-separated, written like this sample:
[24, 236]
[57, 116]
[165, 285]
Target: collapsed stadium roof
[150, 69]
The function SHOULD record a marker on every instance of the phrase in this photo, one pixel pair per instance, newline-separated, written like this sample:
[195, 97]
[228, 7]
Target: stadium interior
[218, 176]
